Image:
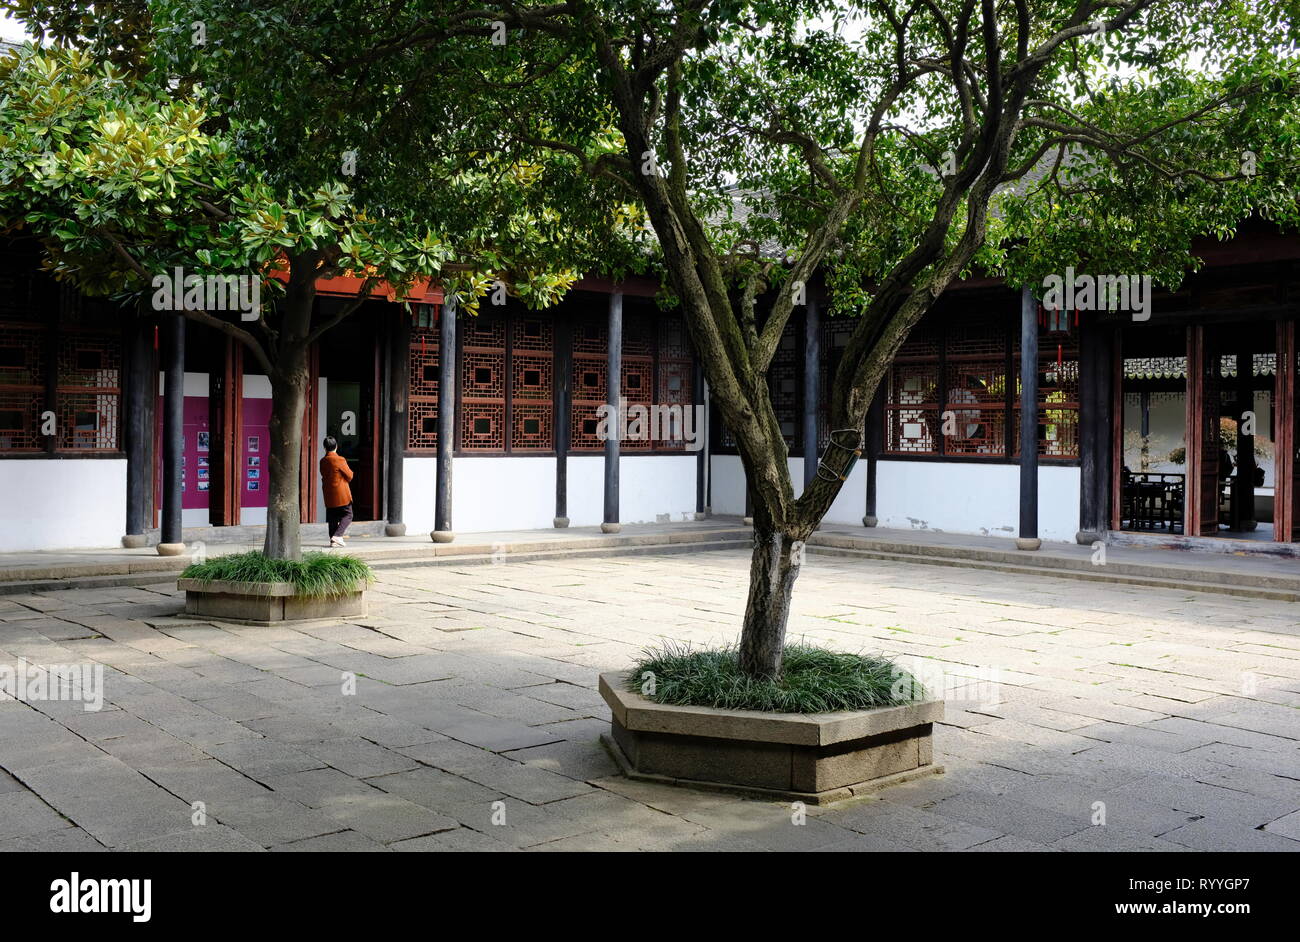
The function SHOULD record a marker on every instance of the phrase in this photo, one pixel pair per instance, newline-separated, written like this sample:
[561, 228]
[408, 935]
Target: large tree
[889, 146]
[218, 163]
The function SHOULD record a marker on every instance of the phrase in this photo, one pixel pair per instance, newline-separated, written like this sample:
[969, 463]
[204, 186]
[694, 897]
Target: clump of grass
[317, 574]
[813, 680]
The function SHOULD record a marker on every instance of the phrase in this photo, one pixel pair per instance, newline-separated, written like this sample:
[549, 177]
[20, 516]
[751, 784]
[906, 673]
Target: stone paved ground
[476, 697]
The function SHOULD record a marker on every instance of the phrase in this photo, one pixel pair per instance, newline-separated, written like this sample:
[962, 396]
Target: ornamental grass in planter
[253, 588]
[831, 726]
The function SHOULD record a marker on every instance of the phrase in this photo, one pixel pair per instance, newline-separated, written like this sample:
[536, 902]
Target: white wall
[518, 492]
[650, 486]
[501, 493]
[728, 495]
[962, 497]
[63, 503]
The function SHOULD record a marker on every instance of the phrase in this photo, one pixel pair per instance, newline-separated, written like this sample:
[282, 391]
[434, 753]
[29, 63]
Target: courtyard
[461, 714]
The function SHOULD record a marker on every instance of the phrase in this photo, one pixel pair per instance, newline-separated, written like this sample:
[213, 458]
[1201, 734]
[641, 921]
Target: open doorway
[350, 374]
[1152, 451]
[1246, 359]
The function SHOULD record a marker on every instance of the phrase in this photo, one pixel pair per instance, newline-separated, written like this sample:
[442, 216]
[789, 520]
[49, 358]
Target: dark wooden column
[311, 453]
[399, 391]
[563, 405]
[170, 540]
[1286, 424]
[140, 424]
[698, 400]
[225, 402]
[614, 383]
[1095, 431]
[874, 445]
[812, 347]
[1028, 539]
[448, 361]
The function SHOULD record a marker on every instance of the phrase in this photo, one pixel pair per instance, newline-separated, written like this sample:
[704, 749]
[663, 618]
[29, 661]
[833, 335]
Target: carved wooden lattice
[483, 383]
[675, 387]
[532, 382]
[975, 374]
[1058, 400]
[589, 383]
[912, 396]
[422, 409]
[89, 390]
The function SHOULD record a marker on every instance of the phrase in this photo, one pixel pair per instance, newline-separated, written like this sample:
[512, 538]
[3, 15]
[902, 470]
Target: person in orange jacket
[334, 477]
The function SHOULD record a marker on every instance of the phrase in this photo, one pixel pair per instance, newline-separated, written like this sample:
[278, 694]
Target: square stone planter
[811, 757]
[265, 603]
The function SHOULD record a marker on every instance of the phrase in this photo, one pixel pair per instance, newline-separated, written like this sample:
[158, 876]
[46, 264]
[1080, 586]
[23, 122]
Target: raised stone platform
[264, 603]
[815, 757]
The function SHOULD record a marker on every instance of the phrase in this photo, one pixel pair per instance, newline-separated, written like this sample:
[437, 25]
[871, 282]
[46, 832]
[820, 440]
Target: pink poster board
[255, 453]
[196, 470]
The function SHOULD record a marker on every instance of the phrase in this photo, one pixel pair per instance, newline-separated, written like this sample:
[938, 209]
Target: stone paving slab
[471, 720]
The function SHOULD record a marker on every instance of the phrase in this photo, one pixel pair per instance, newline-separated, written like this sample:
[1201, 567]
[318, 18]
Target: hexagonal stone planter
[265, 603]
[811, 757]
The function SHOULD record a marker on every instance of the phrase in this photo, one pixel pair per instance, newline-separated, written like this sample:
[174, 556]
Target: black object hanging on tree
[854, 450]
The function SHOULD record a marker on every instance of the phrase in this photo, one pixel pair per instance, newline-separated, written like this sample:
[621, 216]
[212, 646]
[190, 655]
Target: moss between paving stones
[813, 680]
[317, 574]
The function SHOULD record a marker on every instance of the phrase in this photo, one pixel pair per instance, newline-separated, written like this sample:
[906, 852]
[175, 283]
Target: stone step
[150, 570]
[1179, 567]
[1107, 573]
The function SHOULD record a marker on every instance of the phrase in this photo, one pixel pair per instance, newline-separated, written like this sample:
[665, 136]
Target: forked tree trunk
[773, 568]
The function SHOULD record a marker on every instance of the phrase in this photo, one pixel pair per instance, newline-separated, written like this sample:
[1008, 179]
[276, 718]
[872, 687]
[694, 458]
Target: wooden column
[1028, 539]
[1095, 344]
[309, 470]
[563, 406]
[812, 347]
[448, 361]
[225, 422]
[614, 389]
[399, 390]
[698, 399]
[170, 540]
[874, 441]
[1286, 469]
[141, 394]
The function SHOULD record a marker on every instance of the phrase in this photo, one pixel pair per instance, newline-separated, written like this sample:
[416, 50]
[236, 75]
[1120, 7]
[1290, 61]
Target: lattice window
[20, 420]
[785, 382]
[483, 383]
[835, 332]
[912, 407]
[637, 380]
[89, 390]
[589, 382]
[975, 373]
[1058, 400]
[422, 408]
[532, 382]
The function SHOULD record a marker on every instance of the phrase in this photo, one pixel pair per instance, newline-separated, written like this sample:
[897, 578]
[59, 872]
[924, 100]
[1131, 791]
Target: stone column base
[394, 529]
[135, 540]
[610, 527]
[560, 522]
[1028, 543]
[747, 521]
[869, 521]
[170, 549]
[442, 536]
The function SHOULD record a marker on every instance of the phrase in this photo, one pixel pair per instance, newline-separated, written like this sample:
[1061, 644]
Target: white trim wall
[64, 503]
[966, 497]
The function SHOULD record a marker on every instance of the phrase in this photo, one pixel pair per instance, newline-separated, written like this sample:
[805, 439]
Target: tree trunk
[772, 571]
[283, 504]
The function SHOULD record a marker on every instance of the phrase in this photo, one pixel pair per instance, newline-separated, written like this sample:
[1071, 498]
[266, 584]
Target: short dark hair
[331, 443]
